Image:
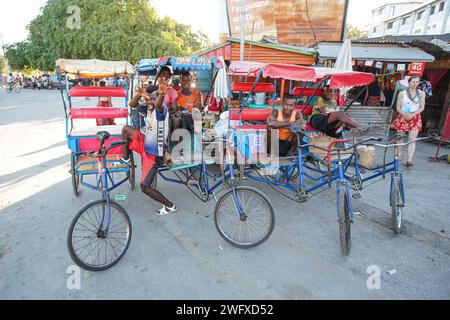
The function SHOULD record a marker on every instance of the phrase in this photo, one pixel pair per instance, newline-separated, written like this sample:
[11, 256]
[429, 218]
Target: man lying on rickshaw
[282, 120]
[153, 144]
[328, 119]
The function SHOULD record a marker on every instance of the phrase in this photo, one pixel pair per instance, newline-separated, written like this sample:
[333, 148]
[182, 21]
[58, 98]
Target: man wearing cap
[152, 143]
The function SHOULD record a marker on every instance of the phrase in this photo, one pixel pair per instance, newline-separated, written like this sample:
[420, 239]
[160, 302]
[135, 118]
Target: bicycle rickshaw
[243, 216]
[315, 166]
[100, 233]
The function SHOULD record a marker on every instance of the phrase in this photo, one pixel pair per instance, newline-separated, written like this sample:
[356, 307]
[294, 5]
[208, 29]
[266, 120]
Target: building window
[420, 15]
[382, 11]
[405, 21]
[433, 8]
[441, 6]
[391, 11]
[375, 30]
[390, 25]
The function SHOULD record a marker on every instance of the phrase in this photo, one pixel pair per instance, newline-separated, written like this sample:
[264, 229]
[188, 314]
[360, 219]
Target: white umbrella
[344, 61]
[221, 84]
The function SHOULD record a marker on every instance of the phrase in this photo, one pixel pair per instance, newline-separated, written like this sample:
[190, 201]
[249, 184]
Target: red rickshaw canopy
[300, 73]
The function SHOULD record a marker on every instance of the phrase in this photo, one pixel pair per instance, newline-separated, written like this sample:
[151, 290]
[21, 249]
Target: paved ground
[183, 257]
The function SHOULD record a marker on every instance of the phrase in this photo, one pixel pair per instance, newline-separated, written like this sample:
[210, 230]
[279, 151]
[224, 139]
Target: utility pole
[242, 29]
[4, 58]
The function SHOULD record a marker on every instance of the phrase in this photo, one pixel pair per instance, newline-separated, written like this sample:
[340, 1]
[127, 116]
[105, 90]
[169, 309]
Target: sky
[200, 14]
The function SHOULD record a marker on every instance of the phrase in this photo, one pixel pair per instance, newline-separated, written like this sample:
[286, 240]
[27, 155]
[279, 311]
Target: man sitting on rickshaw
[282, 120]
[328, 119]
[154, 144]
[190, 105]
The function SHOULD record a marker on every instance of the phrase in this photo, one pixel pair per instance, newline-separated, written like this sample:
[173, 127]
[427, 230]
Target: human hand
[163, 86]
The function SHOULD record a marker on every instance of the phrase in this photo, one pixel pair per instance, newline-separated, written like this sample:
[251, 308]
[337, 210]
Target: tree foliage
[355, 33]
[110, 30]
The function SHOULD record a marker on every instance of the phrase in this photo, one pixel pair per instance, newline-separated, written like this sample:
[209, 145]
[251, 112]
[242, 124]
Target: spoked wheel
[344, 221]
[17, 89]
[9, 89]
[396, 206]
[75, 176]
[93, 249]
[131, 174]
[253, 226]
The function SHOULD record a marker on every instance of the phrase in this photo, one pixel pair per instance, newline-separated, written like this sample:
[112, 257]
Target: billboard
[300, 22]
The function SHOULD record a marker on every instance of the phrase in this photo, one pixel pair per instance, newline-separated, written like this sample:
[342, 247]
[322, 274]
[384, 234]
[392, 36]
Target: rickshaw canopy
[95, 68]
[300, 73]
[178, 64]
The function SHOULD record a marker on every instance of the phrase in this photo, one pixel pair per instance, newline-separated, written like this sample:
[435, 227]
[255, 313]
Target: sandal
[409, 164]
[164, 211]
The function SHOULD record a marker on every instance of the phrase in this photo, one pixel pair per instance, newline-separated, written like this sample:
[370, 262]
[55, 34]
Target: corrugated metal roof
[376, 52]
[405, 39]
[303, 50]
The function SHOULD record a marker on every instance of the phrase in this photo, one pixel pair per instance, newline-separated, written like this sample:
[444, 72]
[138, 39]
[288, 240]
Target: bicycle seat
[102, 135]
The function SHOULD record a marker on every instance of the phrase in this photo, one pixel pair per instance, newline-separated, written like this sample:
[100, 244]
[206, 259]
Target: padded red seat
[250, 114]
[113, 92]
[98, 113]
[307, 92]
[247, 86]
[88, 144]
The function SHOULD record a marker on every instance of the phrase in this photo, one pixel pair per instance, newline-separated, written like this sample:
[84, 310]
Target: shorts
[285, 146]
[149, 163]
[320, 123]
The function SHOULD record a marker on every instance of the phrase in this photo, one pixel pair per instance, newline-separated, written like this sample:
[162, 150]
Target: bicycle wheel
[343, 207]
[17, 89]
[9, 89]
[131, 173]
[93, 249]
[75, 176]
[396, 206]
[251, 228]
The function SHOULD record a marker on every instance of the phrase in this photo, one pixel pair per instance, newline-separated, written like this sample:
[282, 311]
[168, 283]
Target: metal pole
[242, 29]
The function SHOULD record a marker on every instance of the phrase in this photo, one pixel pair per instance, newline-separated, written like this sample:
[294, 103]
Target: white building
[410, 18]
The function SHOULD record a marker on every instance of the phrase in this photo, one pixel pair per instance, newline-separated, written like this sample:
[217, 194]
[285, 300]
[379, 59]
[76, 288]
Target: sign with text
[301, 22]
[416, 69]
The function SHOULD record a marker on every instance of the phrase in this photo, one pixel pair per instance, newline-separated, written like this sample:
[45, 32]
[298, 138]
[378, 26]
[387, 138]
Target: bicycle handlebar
[400, 144]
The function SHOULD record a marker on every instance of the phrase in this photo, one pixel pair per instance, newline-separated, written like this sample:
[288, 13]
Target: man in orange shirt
[189, 104]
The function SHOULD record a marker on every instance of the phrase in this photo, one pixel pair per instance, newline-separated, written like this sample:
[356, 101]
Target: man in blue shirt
[152, 142]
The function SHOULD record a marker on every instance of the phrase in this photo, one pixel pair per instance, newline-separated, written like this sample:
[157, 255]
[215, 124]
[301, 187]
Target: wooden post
[283, 84]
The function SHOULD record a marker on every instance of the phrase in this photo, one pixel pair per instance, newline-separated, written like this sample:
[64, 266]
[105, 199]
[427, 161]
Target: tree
[108, 29]
[355, 33]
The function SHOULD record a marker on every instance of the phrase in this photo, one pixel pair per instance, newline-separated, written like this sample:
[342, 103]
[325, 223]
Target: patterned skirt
[402, 125]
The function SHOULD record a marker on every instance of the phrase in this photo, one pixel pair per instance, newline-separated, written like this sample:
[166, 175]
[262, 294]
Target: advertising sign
[416, 69]
[292, 21]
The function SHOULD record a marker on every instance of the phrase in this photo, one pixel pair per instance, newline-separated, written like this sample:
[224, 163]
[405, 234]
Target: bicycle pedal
[356, 196]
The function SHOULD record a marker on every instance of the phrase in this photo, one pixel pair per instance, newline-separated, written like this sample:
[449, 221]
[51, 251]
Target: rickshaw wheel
[344, 222]
[257, 210]
[132, 173]
[396, 206]
[75, 177]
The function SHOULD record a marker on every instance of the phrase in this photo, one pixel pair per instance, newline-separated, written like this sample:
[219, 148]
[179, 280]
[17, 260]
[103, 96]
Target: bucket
[366, 156]
[260, 98]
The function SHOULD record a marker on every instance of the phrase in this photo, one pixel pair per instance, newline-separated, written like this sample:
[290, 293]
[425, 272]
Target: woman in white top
[410, 104]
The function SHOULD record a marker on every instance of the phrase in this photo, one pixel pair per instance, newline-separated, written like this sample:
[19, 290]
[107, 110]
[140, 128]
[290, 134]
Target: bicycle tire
[268, 229]
[396, 206]
[344, 221]
[71, 250]
[9, 89]
[17, 89]
[75, 177]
